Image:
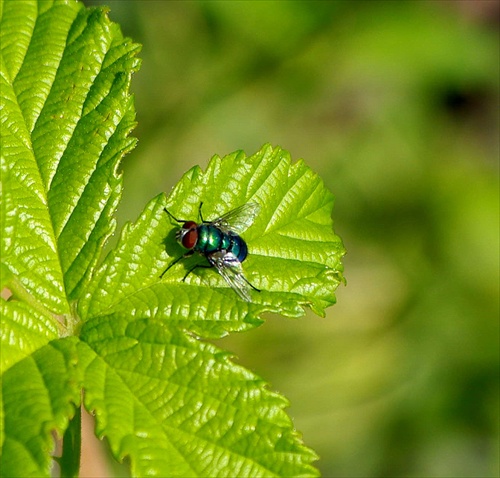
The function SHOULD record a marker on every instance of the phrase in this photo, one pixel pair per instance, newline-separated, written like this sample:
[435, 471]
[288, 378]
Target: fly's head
[187, 235]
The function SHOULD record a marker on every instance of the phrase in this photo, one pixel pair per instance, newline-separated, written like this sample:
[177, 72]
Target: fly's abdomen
[212, 239]
[238, 247]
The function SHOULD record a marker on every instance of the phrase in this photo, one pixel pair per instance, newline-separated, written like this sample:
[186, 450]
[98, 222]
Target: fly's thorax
[210, 239]
[187, 235]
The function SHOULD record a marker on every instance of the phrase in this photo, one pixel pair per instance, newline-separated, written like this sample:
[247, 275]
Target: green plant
[72, 320]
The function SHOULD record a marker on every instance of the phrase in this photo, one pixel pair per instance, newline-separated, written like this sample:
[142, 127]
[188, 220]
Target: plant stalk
[72, 444]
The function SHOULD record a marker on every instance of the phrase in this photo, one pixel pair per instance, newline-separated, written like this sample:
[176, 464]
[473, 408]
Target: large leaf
[175, 405]
[65, 116]
[294, 254]
[179, 407]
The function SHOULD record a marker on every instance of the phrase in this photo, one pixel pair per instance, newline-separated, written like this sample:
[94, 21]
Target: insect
[220, 243]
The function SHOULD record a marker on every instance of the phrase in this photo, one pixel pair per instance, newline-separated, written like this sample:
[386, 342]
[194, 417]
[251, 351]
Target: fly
[220, 243]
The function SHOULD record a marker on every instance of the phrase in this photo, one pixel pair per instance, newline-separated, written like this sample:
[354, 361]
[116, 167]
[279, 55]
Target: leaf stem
[72, 440]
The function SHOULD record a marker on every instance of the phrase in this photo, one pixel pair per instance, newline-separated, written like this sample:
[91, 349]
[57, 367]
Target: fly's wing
[239, 219]
[229, 267]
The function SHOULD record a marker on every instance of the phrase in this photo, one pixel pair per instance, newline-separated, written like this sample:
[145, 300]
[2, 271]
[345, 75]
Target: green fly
[219, 241]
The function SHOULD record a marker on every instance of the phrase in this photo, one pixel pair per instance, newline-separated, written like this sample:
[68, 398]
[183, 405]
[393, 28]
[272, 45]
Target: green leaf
[175, 405]
[24, 331]
[39, 394]
[294, 255]
[179, 407]
[65, 119]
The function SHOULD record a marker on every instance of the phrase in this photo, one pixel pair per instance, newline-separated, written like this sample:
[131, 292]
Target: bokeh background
[396, 106]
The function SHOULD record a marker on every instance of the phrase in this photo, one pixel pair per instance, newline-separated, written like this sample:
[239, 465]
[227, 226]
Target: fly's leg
[201, 215]
[250, 284]
[197, 266]
[201, 266]
[180, 221]
[187, 254]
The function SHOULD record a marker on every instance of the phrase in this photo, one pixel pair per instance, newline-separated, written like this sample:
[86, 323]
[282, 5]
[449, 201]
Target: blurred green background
[396, 105]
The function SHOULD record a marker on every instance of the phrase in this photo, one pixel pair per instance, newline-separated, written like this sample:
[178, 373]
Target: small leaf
[294, 255]
[179, 407]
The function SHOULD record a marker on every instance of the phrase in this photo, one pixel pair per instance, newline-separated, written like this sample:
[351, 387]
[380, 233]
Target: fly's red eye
[190, 225]
[190, 237]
